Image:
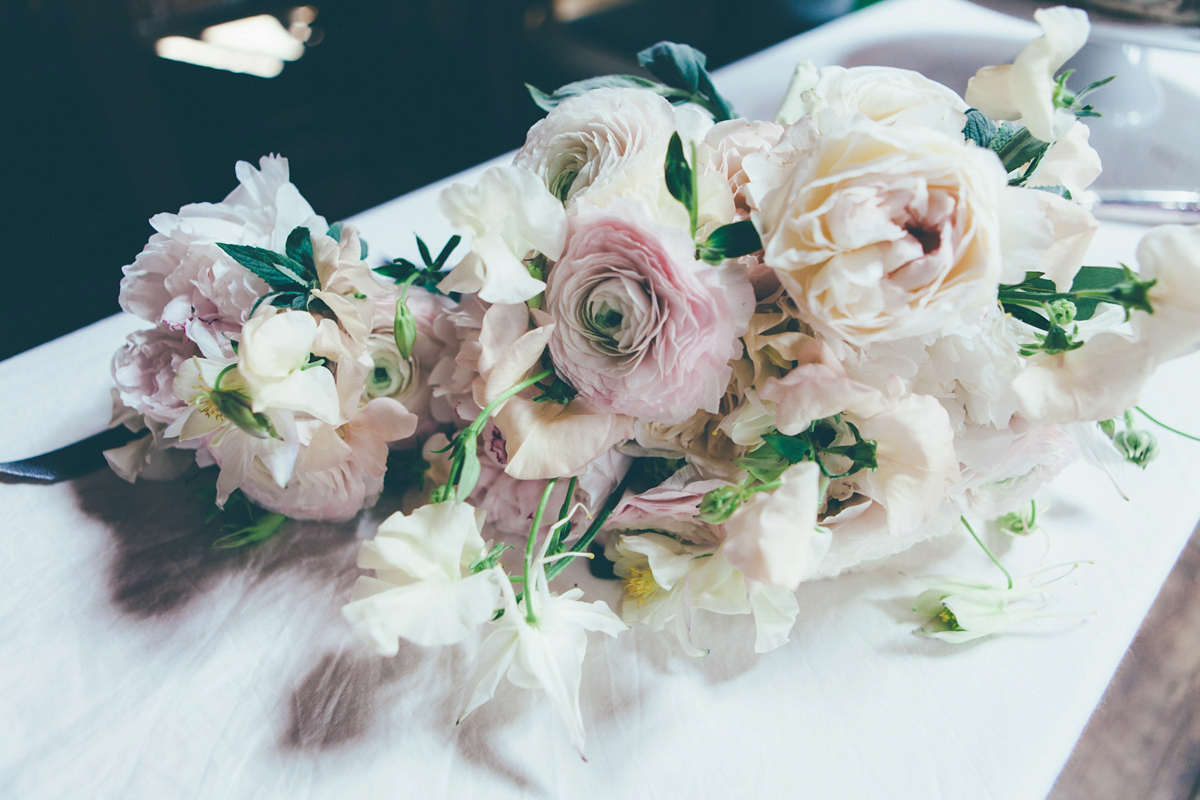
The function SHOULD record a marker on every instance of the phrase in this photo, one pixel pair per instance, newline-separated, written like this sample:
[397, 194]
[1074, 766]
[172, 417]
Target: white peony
[885, 94]
[182, 280]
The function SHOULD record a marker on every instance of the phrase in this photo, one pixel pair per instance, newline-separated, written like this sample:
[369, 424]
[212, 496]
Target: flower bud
[719, 504]
[1138, 447]
[404, 329]
[1062, 311]
[235, 407]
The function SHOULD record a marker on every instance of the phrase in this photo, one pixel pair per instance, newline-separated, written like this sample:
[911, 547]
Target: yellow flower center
[640, 584]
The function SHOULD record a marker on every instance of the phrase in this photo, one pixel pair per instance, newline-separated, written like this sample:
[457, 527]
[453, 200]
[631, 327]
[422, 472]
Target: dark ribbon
[71, 461]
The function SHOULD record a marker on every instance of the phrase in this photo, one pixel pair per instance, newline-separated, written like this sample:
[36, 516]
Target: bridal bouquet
[725, 355]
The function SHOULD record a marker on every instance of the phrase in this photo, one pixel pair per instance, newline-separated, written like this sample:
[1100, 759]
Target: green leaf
[1027, 315]
[1097, 278]
[1019, 149]
[730, 241]
[1093, 278]
[559, 391]
[1057, 189]
[299, 249]
[682, 67]
[335, 231]
[279, 271]
[443, 256]
[678, 173]
[979, 129]
[425, 257]
[794, 449]
[681, 181]
[258, 531]
[764, 463]
[489, 559]
[547, 102]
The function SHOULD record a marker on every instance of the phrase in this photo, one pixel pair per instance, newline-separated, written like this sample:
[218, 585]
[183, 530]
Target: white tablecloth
[137, 663]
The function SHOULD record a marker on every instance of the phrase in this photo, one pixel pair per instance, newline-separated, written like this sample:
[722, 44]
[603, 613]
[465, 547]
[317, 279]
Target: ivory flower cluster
[727, 356]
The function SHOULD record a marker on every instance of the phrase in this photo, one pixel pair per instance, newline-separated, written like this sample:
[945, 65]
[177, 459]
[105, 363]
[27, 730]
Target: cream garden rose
[881, 232]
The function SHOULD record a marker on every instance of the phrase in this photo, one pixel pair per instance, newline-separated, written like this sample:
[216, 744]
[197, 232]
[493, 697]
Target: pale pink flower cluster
[296, 406]
[791, 352]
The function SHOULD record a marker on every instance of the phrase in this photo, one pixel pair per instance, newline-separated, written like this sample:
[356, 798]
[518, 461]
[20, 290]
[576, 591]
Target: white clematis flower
[424, 590]
[543, 653]
[510, 214]
[666, 580]
[962, 609]
[1025, 89]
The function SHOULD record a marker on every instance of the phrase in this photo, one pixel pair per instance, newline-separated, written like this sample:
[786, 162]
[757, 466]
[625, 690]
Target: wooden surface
[1143, 741]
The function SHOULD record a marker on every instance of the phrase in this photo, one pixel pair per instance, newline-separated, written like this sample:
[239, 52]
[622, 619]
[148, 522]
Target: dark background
[99, 133]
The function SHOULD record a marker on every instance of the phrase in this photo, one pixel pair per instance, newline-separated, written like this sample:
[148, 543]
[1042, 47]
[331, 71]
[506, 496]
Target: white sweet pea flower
[1042, 232]
[1025, 89]
[961, 609]
[1071, 163]
[510, 215]
[424, 590]
[274, 364]
[774, 539]
[1170, 256]
[545, 652]
[1097, 381]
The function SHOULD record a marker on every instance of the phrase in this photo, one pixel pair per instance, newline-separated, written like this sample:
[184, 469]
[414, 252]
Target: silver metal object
[1144, 206]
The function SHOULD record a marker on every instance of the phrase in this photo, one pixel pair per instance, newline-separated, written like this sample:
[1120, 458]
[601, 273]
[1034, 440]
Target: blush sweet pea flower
[1025, 89]
[641, 327]
[773, 539]
[339, 470]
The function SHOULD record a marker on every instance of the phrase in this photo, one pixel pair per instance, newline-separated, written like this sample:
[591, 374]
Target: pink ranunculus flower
[182, 280]
[144, 372]
[642, 327]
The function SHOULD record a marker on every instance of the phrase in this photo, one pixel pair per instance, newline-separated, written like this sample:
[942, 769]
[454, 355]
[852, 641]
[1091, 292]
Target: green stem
[585, 541]
[530, 545]
[1166, 426]
[562, 532]
[990, 555]
[694, 206]
[486, 414]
